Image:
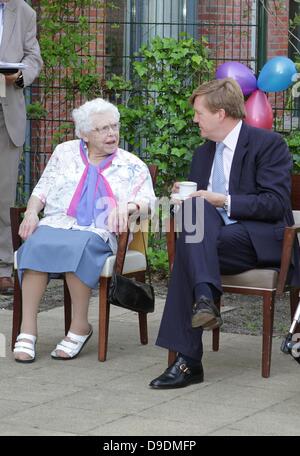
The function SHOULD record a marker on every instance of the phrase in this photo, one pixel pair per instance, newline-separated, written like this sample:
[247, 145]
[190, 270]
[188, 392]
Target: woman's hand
[117, 219]
[28, 224]
[119, 216]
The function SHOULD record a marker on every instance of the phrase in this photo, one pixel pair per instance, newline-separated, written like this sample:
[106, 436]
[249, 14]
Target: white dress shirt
[230, 142]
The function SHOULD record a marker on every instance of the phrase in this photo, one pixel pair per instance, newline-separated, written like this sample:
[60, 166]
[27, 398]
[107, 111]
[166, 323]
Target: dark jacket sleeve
[272, 185]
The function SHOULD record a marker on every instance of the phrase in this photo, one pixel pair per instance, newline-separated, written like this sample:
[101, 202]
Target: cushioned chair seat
[261, 279]
[134, 261]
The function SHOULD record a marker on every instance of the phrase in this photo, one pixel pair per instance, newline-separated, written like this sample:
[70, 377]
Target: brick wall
[228, 26]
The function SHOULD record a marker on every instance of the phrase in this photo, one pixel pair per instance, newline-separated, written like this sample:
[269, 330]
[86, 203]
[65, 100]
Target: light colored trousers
[9, 165]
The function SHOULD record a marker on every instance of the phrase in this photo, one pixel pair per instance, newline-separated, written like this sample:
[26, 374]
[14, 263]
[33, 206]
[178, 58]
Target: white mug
[186, 188]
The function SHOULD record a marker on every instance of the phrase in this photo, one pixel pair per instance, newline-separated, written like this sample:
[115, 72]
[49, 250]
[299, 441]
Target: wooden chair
[134, 266]
[260, 282]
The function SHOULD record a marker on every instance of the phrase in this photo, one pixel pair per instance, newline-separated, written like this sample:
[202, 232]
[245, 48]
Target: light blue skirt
[55, 250]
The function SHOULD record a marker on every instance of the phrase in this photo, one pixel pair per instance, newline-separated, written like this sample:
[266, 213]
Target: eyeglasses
[106, 129]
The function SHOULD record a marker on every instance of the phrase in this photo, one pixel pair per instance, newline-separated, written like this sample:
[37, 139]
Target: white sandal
[73, 347]
[25, 347]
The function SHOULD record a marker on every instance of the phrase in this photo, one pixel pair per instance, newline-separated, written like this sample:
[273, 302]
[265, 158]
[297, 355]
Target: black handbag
[130, 293]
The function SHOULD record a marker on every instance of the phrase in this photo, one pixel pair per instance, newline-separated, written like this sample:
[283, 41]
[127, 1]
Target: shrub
[157, 119]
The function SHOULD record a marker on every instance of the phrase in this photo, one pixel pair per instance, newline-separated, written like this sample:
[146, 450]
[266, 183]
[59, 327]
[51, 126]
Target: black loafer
[205, 314]
[178, 375]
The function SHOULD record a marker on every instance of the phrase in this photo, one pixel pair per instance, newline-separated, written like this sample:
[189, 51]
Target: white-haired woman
[86, 191]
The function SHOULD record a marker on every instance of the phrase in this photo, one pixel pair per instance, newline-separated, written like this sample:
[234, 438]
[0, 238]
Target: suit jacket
[19, 44]
[260, 186]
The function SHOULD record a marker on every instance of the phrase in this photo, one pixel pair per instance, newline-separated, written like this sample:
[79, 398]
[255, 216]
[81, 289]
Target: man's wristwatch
[225, 204]
[19, 82]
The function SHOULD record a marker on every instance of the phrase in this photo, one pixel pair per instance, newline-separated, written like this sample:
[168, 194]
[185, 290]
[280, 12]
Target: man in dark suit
[243, 175]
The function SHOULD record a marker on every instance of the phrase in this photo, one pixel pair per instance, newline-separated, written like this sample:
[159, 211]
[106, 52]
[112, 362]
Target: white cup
[186, 188]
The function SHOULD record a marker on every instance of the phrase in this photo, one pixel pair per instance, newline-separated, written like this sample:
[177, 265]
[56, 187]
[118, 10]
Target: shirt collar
[231, 139]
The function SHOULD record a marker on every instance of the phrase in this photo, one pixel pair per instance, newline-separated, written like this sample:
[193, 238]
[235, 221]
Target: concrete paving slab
[85, 397]
[62, 419]
[26, 430]
[270, 424]
[131, 424]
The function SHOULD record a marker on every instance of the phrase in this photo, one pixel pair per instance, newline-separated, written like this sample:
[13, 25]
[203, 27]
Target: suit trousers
[225, 249]
[9, 165]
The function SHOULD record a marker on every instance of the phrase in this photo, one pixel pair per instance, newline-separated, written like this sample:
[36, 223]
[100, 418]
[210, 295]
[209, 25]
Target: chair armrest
[121, 251]
[134, 219]
[15, 221]
[290, 235]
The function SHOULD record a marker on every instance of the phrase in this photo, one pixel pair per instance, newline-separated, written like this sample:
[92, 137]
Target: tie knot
[220, 147]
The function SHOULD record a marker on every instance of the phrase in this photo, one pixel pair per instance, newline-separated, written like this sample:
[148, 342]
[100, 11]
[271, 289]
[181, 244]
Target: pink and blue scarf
[93, 198]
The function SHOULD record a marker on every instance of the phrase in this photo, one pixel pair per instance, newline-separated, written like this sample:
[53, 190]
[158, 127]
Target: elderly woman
[87, 190]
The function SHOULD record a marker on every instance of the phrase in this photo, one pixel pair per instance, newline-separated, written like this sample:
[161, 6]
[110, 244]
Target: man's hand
[216, 199]
[11, 78]
[175, 188]
[28, 224]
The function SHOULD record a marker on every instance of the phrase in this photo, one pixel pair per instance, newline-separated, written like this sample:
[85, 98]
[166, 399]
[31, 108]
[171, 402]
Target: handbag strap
[121, 254]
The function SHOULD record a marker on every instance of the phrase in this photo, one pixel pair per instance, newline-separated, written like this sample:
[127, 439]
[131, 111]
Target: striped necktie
[218, 180]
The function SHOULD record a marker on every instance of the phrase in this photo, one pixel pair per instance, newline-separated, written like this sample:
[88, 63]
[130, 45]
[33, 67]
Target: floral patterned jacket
[128, 177]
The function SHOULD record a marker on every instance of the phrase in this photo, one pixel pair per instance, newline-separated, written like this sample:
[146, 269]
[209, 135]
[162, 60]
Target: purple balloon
[240, 73]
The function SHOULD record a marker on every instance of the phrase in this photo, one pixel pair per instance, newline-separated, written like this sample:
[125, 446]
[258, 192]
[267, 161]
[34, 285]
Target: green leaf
[197, 59]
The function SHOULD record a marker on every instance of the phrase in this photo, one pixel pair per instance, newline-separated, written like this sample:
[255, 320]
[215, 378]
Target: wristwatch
[225, 205]
[19, 82]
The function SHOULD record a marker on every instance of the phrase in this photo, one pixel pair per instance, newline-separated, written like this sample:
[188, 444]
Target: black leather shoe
[178, 375]
[205, 314]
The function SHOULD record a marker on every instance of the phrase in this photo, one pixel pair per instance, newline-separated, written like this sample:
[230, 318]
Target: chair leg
[103, 318]
[171, 357]
[216, 332]
[67, 307]
[216, 339]
[142, 316]
[143, 328]
[268, 317]
[17, 311]
[294, 301]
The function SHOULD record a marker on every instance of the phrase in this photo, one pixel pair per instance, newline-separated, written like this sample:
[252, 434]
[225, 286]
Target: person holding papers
[18, 44]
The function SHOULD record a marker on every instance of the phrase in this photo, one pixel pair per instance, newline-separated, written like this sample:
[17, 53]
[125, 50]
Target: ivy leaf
[197, 59]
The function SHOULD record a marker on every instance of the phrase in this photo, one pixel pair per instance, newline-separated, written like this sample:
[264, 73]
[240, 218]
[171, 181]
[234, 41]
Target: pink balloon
[259, 111]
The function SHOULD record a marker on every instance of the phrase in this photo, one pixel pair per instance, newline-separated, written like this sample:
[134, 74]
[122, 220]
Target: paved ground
[85, 397]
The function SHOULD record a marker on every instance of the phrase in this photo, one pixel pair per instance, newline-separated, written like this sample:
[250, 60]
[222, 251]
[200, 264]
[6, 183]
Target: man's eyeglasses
[106, 129]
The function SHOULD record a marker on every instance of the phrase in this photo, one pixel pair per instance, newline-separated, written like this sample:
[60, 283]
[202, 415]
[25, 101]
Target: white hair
[82, 115]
